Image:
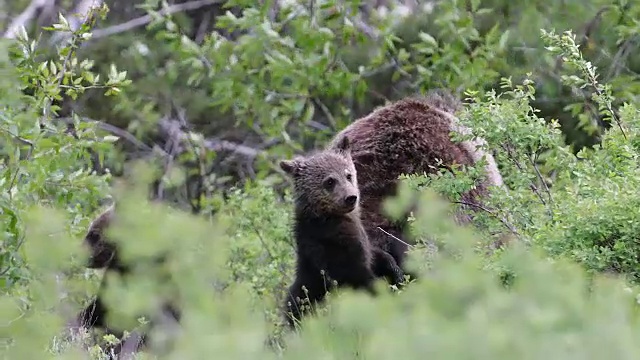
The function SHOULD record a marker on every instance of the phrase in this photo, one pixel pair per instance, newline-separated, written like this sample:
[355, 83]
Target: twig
[325, 111]
[18, 138]
[395, 237]
[492, 213]
[223, 145]
[384, 67]
[533, 186]
[312, 14]
[113, 130]
[199, 158]
[203, 28]
[539, 175]
[618, 58]
[171, 148]
[215, 144]
[143, 20]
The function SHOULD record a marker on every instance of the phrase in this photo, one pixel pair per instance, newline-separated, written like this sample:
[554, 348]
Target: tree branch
[167, 126]
[503, 220]
[144, 20]
[113, 130]
[24, 18]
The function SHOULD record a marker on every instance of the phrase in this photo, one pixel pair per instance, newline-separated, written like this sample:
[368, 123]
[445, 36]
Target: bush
[550, 307]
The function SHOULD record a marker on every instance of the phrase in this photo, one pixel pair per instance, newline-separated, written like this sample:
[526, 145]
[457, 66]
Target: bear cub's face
[326, 181]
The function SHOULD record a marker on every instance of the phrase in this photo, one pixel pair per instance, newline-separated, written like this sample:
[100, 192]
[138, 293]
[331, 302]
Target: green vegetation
[195, 109]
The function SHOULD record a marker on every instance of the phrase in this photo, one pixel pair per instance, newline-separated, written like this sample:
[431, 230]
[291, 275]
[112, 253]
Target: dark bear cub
[103, 254]
[331, 243]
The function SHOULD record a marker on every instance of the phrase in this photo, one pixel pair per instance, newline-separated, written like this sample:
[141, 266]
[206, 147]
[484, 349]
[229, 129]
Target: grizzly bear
[331, 243]
[407, 137]
[103, 254]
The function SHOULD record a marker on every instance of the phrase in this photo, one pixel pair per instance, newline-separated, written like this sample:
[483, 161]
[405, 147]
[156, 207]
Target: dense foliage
[210, 109]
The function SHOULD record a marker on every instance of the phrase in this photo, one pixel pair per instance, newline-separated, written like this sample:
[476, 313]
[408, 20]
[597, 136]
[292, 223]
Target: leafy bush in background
[456, 310]
[41, 163]
[308, 68]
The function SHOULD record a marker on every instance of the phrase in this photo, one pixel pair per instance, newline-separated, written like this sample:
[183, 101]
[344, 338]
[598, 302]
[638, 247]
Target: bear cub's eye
[329, 183]
[349, 177]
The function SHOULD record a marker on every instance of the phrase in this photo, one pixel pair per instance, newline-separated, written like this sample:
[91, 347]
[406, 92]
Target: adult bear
[412, 135]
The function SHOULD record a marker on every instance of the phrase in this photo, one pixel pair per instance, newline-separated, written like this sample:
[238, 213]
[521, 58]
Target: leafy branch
[566, 47]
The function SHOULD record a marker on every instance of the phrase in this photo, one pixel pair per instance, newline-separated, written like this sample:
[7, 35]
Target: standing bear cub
[331, 243]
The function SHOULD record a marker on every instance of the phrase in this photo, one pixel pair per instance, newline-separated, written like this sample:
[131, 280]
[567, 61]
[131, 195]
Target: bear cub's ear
[344, 145]
[289, 166]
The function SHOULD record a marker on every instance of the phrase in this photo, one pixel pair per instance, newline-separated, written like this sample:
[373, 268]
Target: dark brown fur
[103, 254]
[328, 231]
[407, 137]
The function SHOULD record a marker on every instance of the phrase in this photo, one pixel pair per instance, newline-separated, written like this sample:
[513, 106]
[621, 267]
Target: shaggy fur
[103, 254]
[407, 137]
[331, 243]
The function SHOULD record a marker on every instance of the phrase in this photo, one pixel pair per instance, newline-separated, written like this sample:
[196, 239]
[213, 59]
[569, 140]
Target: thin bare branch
[504, 221]
[167, 127]
[326, 112]
[533, 160]
[212, 144]
[113, 130]
[395, 237]
[146, 19]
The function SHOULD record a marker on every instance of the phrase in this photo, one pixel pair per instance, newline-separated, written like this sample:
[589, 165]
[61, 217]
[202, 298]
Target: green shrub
[456, 310]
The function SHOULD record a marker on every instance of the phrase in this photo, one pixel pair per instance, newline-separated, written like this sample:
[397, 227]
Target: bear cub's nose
[351, 200]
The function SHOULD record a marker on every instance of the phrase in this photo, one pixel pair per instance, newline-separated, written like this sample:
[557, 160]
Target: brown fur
[328, 231]
[407, 137]
[103, 254]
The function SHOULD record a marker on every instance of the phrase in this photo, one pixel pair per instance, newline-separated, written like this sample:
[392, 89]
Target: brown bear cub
[331, 243]
[103, 254]
[409, 136]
